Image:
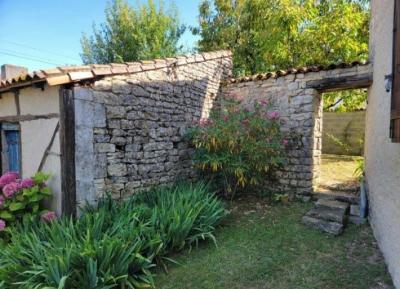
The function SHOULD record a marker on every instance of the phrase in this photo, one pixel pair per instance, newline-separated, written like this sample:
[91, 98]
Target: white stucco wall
[36, 134]
[383, 156]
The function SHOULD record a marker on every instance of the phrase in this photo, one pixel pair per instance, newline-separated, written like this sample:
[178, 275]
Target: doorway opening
[343, 132]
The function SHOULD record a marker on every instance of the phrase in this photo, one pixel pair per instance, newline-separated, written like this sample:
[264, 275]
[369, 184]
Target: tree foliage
[274, 34]
[129, 34]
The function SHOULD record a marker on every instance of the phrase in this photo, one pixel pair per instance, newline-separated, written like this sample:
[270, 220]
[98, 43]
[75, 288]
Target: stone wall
[130, 129]
[297, 96]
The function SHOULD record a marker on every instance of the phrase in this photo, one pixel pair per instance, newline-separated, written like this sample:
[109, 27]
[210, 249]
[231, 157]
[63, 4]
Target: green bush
[240, 146]
[112, 245]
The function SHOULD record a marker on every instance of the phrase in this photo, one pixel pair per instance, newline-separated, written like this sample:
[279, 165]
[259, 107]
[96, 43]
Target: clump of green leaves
[21, 198]
[133, 33]
[113, 244]
[241, 146]
[268, 35]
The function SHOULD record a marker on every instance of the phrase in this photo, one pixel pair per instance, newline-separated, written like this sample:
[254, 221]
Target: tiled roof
[68, 74]
[305, 69]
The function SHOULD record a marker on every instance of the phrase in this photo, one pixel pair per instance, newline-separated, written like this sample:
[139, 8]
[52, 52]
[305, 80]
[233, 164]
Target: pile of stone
[332, 212]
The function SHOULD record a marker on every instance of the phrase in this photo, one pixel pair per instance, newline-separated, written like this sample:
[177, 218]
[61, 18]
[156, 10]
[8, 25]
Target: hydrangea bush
[241, 145]
[21, 198]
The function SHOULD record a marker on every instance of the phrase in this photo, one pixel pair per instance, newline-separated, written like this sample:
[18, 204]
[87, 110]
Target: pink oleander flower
[204, 122]
[2, 225]
[273, 115]
[7, 178]
[226, 118]
[26, 183]
[245, 121]
[48, 216]
[285, 142]
[10, 189]
[1, 200]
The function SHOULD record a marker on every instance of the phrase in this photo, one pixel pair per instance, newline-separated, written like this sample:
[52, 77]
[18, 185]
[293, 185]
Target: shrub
[112, 245]
[239, 146]
[21, 198]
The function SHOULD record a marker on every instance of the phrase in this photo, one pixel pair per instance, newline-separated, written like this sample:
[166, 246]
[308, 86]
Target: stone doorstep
[357, 220]
[324, 226]
[355, 210]
[328, 214]
[332, 204]
[338, 196]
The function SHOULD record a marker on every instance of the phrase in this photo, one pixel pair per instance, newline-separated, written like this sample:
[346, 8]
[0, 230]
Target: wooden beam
[67, 146]
[47, 151]
[28, 117]
[341, 82]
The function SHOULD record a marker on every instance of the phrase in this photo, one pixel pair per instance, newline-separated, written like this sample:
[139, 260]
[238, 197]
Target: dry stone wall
[130, 129]
[300, 107]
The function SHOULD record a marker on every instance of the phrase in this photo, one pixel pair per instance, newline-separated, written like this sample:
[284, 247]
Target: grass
[338, 171]
[262, 246]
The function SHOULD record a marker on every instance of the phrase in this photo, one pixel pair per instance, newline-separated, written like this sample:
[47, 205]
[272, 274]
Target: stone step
[338, 196]
[324, 226]
[328, 214]
[355, 210]
[357, 220]
[332, 204]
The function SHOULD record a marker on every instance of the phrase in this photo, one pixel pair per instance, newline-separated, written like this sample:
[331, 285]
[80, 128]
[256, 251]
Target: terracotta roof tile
[298, 70]
[66, 74]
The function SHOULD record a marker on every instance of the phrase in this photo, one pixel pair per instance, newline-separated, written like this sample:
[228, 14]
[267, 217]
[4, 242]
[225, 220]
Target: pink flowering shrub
[21, 198]
[241, 146]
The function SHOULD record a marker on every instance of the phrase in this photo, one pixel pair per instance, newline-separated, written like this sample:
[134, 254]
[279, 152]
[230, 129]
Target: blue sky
[50, 30]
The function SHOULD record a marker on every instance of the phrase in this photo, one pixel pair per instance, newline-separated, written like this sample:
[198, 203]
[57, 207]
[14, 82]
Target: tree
[275, 34]
[130, 34]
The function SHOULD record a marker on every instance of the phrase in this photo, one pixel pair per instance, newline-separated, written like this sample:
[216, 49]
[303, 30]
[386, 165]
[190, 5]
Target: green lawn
[262, 246]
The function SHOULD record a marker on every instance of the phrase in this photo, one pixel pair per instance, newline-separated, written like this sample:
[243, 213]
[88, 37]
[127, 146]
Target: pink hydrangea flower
[1, 200]
[2, 225]
[48, 216]
[10, 189]
[273, 115]
[26, 183]
[7, 178]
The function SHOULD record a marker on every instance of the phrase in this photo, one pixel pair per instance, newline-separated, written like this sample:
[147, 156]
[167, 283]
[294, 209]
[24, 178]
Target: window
[10, 148]
[395, 105]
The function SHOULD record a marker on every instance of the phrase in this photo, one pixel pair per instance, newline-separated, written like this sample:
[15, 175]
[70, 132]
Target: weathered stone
[327, 214]
[118, 170]
[357, 220]
[116, 112]
[338, 196]
[104, 147]
[324, 226]
[332, 204]
[121, 86]
[355, 210]
[102, 85]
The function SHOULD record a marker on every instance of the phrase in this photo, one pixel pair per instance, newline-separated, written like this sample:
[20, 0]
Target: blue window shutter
[13, 150]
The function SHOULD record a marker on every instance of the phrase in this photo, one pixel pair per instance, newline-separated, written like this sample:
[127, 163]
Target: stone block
[116, 112]
[118, 170]
[104, 147]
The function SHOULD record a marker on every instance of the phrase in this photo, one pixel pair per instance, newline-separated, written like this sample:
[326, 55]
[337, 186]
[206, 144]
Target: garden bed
[263, 246]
